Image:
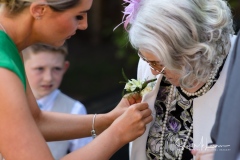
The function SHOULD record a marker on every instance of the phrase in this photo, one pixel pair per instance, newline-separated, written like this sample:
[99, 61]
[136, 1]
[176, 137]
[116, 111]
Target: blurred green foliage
[233, 3]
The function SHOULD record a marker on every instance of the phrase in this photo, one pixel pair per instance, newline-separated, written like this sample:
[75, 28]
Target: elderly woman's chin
[174, 81]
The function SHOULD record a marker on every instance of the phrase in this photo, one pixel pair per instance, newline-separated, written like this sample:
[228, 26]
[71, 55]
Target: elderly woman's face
[172, 76]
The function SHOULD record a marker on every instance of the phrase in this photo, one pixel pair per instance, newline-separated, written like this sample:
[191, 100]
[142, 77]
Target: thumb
[194, 152]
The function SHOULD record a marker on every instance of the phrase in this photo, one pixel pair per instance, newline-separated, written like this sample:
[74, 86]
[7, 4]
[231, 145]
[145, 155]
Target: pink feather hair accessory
[129, 12]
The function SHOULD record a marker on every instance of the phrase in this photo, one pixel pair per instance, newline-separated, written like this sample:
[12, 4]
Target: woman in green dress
[24, 128]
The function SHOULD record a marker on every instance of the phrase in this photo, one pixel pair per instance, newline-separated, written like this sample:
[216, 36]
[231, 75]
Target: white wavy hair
[186, 35]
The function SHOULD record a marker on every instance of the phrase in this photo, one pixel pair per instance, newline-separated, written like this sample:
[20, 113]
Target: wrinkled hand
[132, 123]
[204, 154]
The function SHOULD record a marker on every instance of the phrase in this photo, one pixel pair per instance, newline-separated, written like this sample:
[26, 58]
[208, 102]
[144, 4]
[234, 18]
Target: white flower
[137, 83]
[133, 84]
[128, 87]
[137, 86]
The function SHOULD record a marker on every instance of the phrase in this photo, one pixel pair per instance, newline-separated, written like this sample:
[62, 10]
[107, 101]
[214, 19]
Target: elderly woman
[186, 44]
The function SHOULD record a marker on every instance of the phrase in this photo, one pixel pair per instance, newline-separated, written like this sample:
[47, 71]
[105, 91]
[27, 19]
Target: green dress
[10, 58]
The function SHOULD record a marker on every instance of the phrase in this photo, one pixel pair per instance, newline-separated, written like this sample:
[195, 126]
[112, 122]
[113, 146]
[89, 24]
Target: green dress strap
[10, 57]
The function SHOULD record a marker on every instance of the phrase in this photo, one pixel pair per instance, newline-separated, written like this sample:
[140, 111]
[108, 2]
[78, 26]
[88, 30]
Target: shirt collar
[47, 101]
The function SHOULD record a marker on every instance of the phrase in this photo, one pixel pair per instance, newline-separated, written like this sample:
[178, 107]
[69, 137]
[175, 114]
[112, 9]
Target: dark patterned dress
[178, 124]
[177, 127]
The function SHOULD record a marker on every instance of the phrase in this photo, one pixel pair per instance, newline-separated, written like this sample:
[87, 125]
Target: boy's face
[45, 71]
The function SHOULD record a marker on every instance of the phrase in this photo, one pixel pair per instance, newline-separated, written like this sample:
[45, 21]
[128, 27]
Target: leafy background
[97, 56]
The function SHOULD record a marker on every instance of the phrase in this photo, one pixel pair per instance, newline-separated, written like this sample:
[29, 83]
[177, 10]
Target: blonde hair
[186, 35]
[36, 48]
[16, 6]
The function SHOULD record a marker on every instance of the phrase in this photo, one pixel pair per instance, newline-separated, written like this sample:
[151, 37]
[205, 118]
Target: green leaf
[148, 81]
[137, 90]
[124, 76]
[123, 93]
[122, 82]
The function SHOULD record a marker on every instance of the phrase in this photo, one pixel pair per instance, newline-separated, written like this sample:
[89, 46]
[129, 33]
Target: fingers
[145, 112]
[146, 115]
[133, 121]
[203, 155]
[137, 97]
[194, 152]
[133, 98]
[141, 106]
[148, 119]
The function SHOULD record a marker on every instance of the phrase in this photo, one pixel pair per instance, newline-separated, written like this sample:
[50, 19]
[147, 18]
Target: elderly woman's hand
[204, 154]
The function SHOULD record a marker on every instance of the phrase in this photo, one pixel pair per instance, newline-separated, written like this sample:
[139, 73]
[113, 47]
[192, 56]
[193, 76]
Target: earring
[37, 17]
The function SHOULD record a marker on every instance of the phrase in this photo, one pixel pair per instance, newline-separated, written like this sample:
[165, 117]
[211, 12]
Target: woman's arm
[60, 126]
[21, 139]
[19, 136]
[124, 129]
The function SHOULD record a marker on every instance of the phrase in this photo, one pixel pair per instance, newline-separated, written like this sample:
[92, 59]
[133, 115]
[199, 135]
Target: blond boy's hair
[36, 48]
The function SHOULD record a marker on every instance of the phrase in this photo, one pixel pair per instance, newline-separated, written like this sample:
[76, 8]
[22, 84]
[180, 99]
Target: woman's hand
[133, 98]
[122, 106]
[132, 123]
[129, 126]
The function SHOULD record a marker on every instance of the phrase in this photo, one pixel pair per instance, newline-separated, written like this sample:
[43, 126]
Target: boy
[45, 67]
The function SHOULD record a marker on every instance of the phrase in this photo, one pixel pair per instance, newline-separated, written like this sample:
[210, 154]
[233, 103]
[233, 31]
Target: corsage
[137, 86]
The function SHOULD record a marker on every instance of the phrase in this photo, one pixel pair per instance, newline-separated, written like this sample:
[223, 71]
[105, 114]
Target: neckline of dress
[3, 28]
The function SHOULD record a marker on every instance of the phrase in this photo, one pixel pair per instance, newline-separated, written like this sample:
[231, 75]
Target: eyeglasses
[155, 65]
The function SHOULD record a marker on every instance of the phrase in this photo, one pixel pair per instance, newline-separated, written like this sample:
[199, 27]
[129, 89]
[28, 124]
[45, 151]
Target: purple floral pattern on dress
[178, 123]
[173, 124]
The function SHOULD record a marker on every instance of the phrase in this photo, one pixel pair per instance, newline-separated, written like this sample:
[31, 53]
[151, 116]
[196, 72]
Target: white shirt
[46, 104]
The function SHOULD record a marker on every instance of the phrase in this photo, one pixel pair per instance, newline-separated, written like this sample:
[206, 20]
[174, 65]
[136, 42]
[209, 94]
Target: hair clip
[129, 12]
